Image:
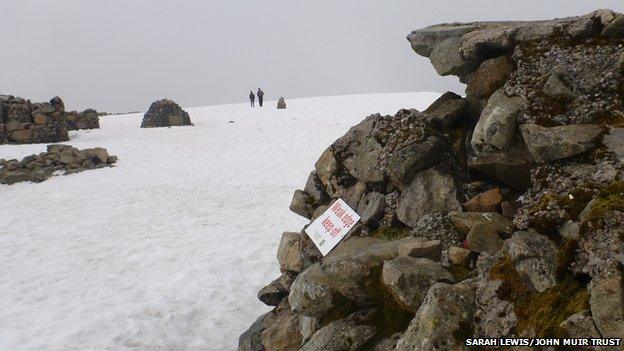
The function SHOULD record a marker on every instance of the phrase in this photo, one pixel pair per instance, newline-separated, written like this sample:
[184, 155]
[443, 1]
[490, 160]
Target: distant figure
[260, 94]
[281, 104]
[252, 98]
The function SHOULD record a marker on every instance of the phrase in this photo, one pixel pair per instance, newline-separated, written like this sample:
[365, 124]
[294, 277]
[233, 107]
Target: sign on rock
[327, 230]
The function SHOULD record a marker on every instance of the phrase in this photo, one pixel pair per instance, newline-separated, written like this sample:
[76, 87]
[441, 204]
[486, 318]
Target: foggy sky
[121, 55]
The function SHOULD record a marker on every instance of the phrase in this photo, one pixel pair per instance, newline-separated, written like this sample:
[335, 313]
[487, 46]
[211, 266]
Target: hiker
[252, 98]
[260, 94]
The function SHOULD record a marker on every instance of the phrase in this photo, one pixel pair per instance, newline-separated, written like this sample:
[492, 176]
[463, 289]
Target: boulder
[281, 104]
[408, 279]
[431, 249]
[484, 238]
[580, 325]
[312, 293]
[341, 335]
[490, 76]
[447, 109]
[511, 167]
[555, 143]
[251, 340]
[535, 258]
[283, 334]
[447, 60]
[444, 320]
[459, 256]
[274, 293]
[371, 208]
[423, 41]
[302, 204]
[614, 141]
[289, 252]
[404, 163]
[488, 201]
[607, 301]
[496, 128]
[464, 222]
[315, 189]
[431, 191]
[165, 113]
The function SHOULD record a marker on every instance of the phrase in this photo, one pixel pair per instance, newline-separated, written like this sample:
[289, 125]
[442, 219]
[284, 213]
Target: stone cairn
[496, 215]
[58, 159]
[165, 113]
[87, 119]
[24, 122]
[281, 104]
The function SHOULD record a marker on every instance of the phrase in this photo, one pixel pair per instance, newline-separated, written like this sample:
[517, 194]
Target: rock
[443, 321]
[281, 104]
[459, 256]
[431, 191]
[283, 333]
[309, 326]
[446, 110]
[464, 222]
[490, 76]
[97, 154]
[22, 135]
[362, 164]
[557, 89]
[408, 279]
[406, 162]
[511, 167]
[570, 230]
[312, 293]
[614, 141]
[496, 128]
[535, 258]
[509, 209]
[315, 189]
[341, 335]
[607, 301]
[289, 253]
[446, 58]
[555, 143]
[277, 290]
[388, 343]
[615, 28]
[302, 204]
[165, 113]
[426, 249]
[326, 166]
[250, 339]
[484, 238]
[485, 202]
[580, 325]
[371, 208]
[111, 159]
[425, 40]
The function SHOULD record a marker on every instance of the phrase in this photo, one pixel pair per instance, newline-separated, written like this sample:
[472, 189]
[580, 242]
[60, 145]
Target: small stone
[570, 230]
[465, 221]
[428, 249]
[557, 89]
[509, 209]
[289, 252]
[281, 104]
[485, 202]
[274, 293]
[459, 256]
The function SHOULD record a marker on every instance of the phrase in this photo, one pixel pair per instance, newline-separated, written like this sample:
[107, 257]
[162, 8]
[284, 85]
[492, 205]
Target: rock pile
[87, 119]
[281, 104]
[24, 122]
[496, 215]
[59, 159]
[165, 113]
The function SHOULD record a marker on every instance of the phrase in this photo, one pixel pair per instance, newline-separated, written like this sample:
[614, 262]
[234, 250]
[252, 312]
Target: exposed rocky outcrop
[57, 160]
[495, 215]
[87, 119]
[25, 122]
[165, 113]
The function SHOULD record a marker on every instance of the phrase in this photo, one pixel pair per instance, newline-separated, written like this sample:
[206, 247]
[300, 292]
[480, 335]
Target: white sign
[327, 230]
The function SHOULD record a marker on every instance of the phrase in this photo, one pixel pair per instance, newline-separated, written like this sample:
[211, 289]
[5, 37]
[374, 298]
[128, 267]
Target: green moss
[611, 198]
[461, 272]
[541, 312]
[571, 205]
[391, 233]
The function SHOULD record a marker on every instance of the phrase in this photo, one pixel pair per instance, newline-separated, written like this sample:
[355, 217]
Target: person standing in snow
[260, 94]
[252, 98]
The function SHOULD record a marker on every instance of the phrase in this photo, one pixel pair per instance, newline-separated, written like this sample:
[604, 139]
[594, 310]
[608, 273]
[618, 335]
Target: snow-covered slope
[167, 250]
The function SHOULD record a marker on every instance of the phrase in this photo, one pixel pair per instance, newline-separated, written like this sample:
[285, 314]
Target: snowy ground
[167, 250]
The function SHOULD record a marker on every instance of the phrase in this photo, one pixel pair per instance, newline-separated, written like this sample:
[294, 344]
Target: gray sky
[120, 55]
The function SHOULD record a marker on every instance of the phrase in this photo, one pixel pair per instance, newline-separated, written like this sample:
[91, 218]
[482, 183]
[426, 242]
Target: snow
[167, 250]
